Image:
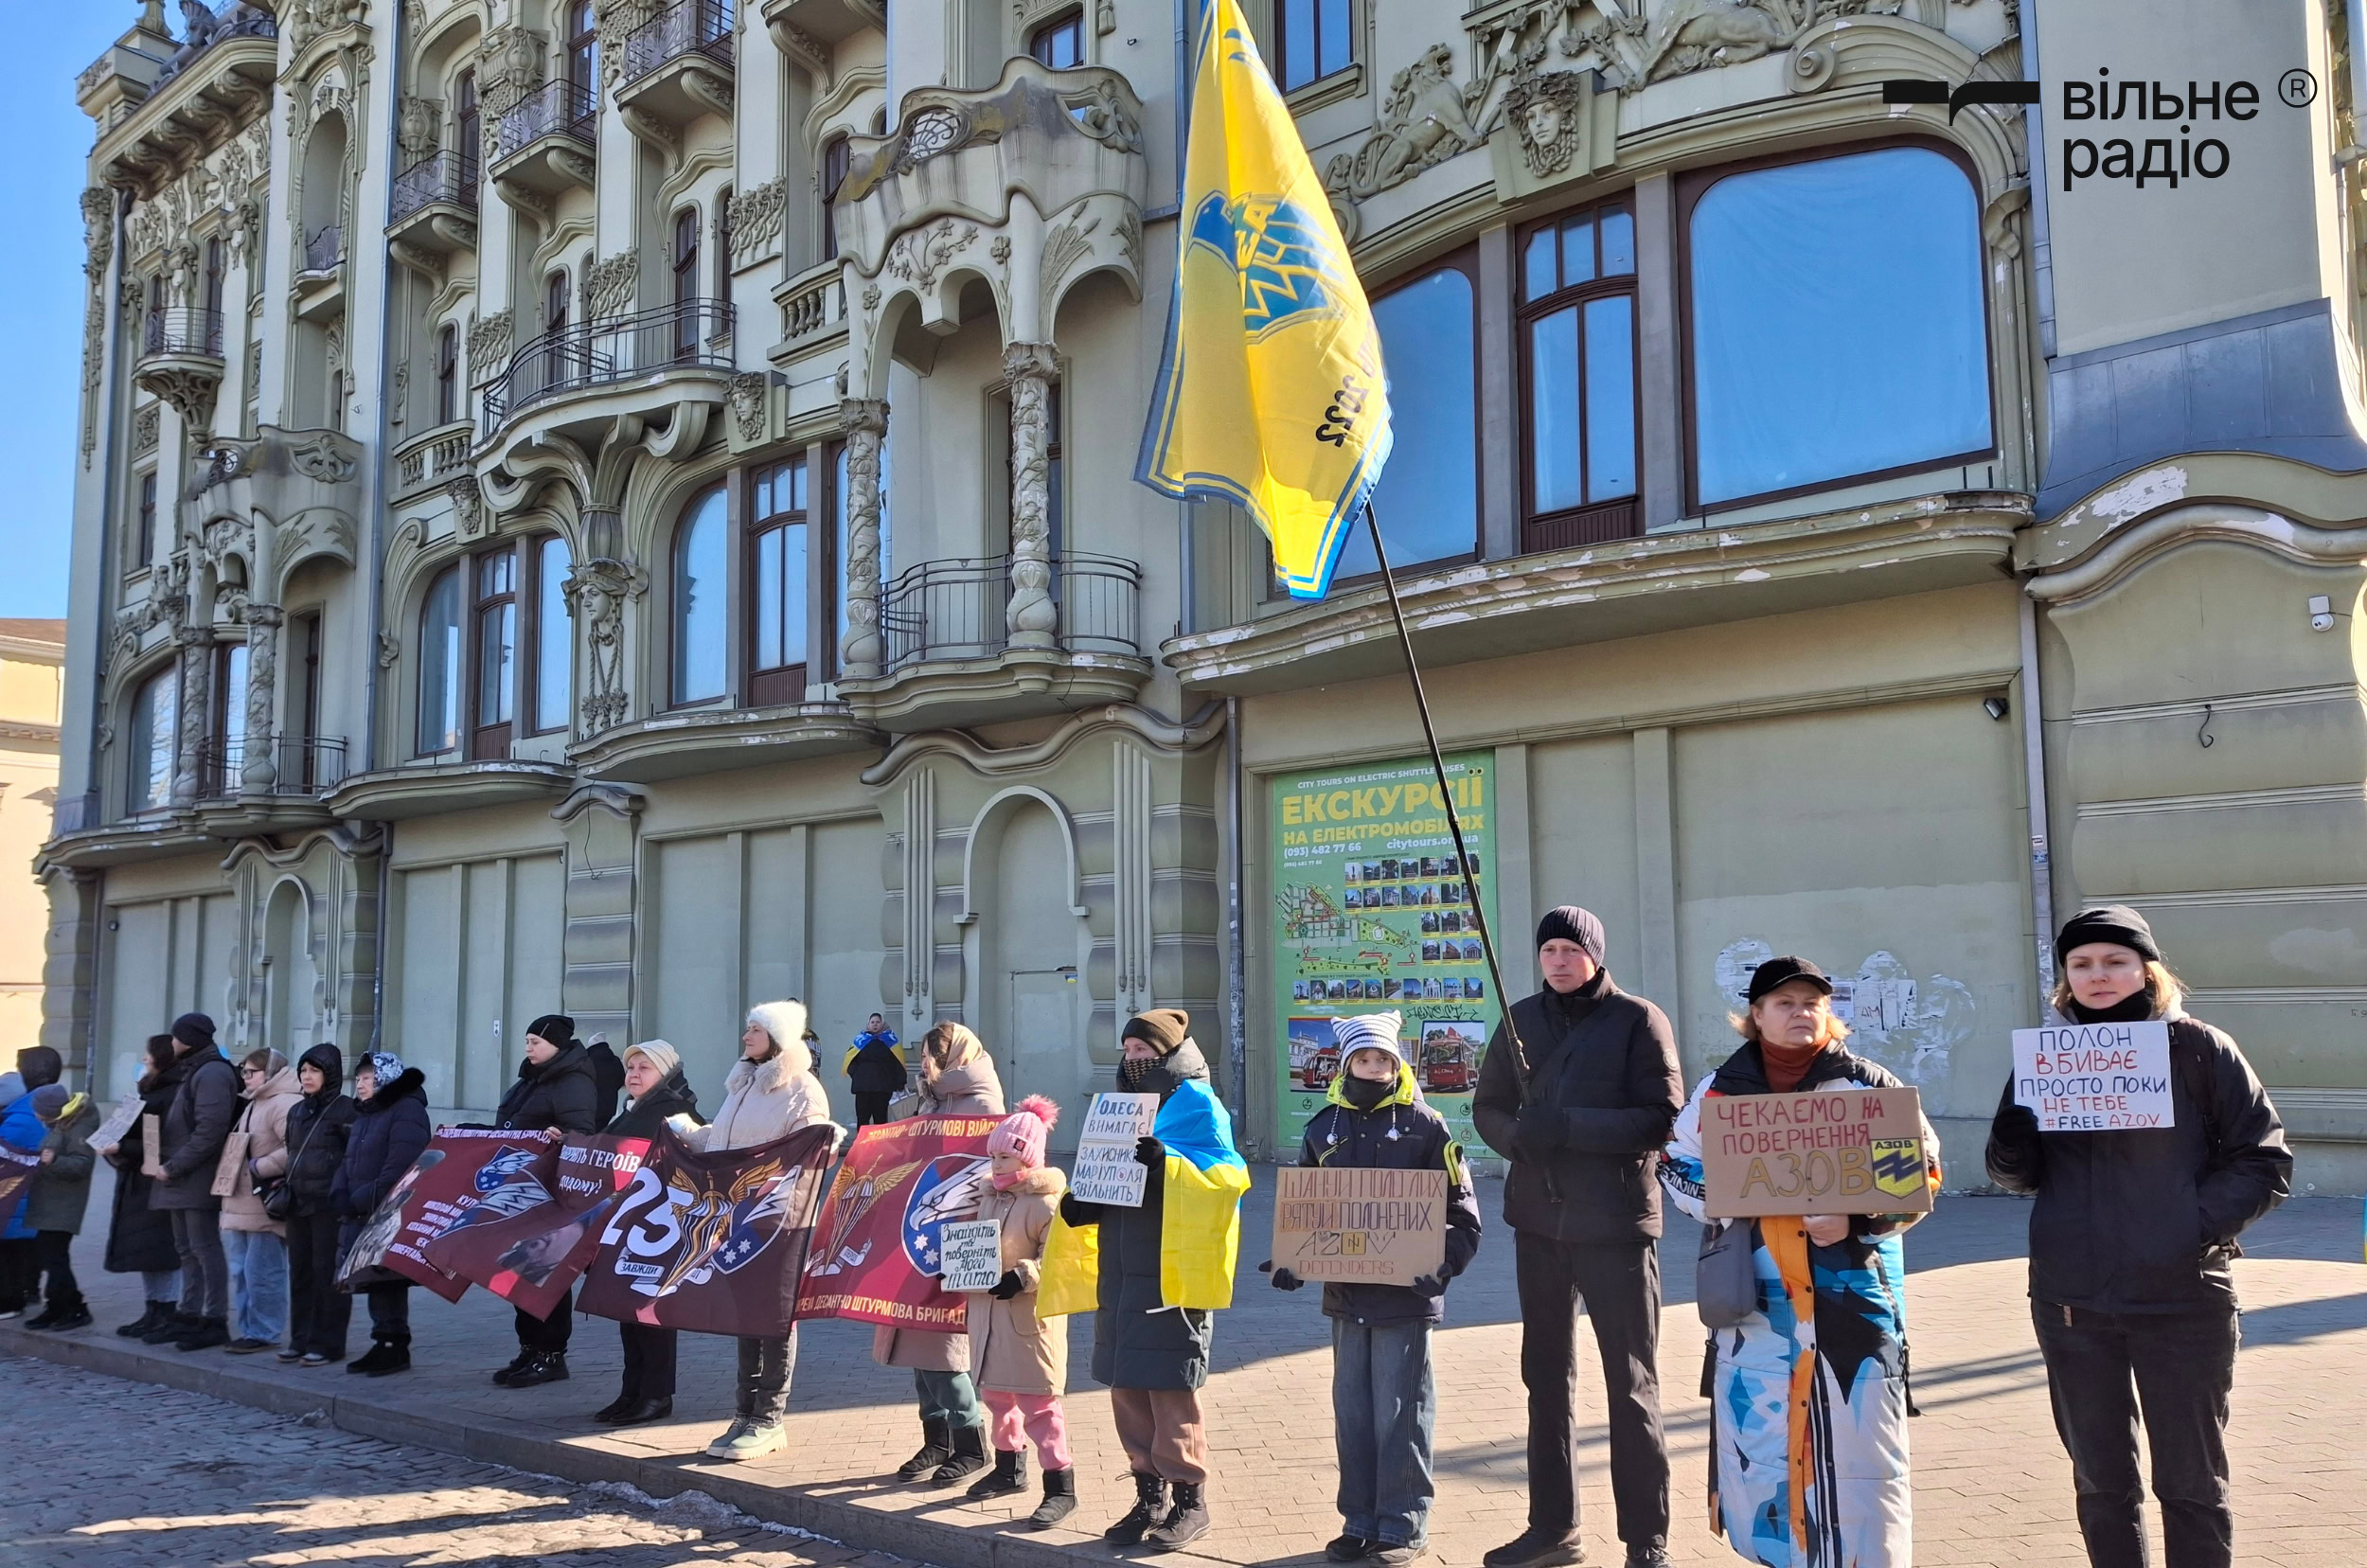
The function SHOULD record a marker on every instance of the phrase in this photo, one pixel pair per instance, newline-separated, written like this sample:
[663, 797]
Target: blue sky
[41, 284]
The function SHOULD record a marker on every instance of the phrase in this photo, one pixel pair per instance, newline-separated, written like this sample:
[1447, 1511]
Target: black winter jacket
[390, 1130]
[318, 1128]
[140, 1238]
[645, 1116]
[1340, 1135]
[1602, 1095]
[194, 1131]
[872, 1067]
[608, 1073]
[2147, 1220]
[563, 1094]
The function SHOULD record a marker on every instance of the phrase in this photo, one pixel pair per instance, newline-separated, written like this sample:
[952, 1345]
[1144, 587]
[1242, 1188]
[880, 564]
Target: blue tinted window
[699, 631]
[1837, 322]
[1427, 499]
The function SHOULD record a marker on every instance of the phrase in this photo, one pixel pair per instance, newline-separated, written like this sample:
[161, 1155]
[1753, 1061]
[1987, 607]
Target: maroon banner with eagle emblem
[879, 1257]
[713, 1243]
[467, 1177]
[532, 1255]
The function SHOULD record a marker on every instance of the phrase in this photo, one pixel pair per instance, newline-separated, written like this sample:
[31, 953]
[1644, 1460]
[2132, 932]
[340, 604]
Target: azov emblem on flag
[947, 1191]
[1275, 248]
[1898, 1167]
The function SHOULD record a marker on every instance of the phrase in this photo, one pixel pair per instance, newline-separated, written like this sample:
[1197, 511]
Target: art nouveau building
[628, 508]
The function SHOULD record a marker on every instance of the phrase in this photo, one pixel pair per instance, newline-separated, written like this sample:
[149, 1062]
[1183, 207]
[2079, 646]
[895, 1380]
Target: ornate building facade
[627, 508]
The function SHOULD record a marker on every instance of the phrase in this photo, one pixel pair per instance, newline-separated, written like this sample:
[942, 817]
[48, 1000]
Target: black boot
[157, 1312]
[208, 1333]
[1150, 1506]
[970, 1457]
[936, 1447]
[1010, 1475]
[398, 1359]
[73, 1314]
[1060, 1500]
[523, 1358]
[171, 1326]
[543, 1367]
[379, 1354]
[1186, 1522]
[45, 1318]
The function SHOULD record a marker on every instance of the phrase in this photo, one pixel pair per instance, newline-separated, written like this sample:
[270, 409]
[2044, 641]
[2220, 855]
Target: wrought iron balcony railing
[325, 249]
[959, 609]
[182, 332]
[689, 334]
[448, 176]
[557, 108]
[702, 27]
[301, 765]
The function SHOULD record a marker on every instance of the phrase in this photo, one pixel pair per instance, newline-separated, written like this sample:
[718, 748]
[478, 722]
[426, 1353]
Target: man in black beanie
[1583, 1130]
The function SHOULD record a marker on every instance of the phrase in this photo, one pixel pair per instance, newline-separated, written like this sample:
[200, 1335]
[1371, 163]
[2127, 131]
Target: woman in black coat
[139, 1239]
[655, 1093]
[390, 1131]
[557, 1090]
[319, 1126]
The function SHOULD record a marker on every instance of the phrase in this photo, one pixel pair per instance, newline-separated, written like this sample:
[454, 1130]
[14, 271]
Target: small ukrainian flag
[1272, 392]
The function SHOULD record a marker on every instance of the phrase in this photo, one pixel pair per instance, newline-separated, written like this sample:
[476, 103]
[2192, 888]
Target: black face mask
[1144, 1075]
[1365, 1094]
[2136, 1007]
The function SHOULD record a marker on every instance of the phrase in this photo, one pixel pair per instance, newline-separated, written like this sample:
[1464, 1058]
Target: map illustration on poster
[1372, 914]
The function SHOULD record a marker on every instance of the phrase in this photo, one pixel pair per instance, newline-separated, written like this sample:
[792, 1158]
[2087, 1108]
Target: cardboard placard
[1374, 1228]
[153, 1147]
[973, 1252]
[1826, 1151]
[109, 1135]
[232, 1165]
[2094, 1078]
[1107, 1171]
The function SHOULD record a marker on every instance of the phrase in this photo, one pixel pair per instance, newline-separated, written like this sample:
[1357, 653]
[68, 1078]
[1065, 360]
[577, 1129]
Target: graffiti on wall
[1909, 1027]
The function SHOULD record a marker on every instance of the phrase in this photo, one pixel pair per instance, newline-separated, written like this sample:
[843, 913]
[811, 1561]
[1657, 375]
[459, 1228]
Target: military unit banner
[710, 1243]
[531, 1255]
[468, 1177]
[881, 1248]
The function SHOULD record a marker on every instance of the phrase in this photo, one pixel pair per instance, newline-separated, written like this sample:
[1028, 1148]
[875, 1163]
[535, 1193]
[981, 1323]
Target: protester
[608, 1073]
[1163, 1271]
[254, 1242]
[656, 1094]
[140, 1238]
[390, 1130]
[1385, 1400]
[1020, 1364]
[2131, 1244]
[318, 1126]
[196, 1125]
[60, 1198]
[1831, 1486]
[875, 1072]
[957, 1078]
[22, 1130]
[772, 1092]
[558, 1089]
[1582, 1121]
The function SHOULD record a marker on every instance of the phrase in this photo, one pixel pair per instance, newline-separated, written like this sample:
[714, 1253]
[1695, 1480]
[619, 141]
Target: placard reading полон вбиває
[2094, 1078]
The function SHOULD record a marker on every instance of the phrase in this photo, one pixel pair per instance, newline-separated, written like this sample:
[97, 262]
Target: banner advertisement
[1372, 914]
[711, 1243]
[468, 1177]
[530, 1257]
[879, 1246]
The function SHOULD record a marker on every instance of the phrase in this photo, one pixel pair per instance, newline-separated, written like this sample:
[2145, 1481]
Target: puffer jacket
[318, 1126]
[764, 1100]
[645, 1116]
[561, 1095]
[1011, 1349]
[194, 1131]
[2145, 1220]
[61, 1192]
[874, 1066]
[390, 1130]
[23, 1131]
[266, 1124]
[1399, 1133]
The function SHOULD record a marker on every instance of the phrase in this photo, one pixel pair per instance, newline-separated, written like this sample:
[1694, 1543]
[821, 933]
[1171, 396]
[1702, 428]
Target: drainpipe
[2034, 131]
[2034, 764]
[1237, 954]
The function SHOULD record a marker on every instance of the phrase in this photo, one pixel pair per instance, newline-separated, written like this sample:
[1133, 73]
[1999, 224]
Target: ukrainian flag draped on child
[1272, 392]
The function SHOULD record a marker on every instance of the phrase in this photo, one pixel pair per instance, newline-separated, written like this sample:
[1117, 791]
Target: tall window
[215, 270]
[723, 243]
[686, 282]
[153, 740]
[155, 313]
[225, 727]
[555, 301]
[145, 536]
[304, 704]
[583, 51]
[1427, 499]
[1577, 349]
[448, 374]
[777, 556]
[1837, 323]
[554, 636]
[1060, 43]
[468, 130]
[702, 555]
[835, 160]
[496, 653]
[1314, 41]
[440, 666]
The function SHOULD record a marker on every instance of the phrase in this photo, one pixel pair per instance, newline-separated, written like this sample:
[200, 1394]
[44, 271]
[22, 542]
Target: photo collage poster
[1374, 914]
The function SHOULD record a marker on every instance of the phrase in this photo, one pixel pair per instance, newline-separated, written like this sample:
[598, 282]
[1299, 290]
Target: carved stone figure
[1546, 114]
[747, 395]
[920, 255]
[1423, 121]
[756, 217]
[608, 288]
[259, 768]
[597, 593]
[417, 127]
[1692, 35]
[1034, 619]
[865, 420]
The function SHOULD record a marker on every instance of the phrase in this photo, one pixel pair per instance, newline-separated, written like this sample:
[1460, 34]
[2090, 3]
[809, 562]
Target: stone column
[865, 420]
[1034, 619]
[258, 768]
[197, 679]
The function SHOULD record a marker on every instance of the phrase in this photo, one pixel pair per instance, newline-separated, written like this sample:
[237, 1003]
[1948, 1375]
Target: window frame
[1691, 186]
[1072, 20]
[684, 515]
[582, 47]
[465, 665]
[448, 408]
[722, 227]
[1530, 521]
[145, 487]
[217, 276]
[490, 741]
[683, 253]
[468, 129]
[1281, 46]
[142, 753]
[775, 686]
[531, 720]
[832, 169]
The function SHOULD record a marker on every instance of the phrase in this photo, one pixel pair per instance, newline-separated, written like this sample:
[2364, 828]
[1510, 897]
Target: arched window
[583, 53]
[835, 159]
[153, 740]
[440, 666]
[468, 131]
[702, 557]
[777, 551]
[1427, 499]
[554, 635]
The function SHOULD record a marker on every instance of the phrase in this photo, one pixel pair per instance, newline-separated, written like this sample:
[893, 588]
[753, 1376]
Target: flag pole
[1469, 868]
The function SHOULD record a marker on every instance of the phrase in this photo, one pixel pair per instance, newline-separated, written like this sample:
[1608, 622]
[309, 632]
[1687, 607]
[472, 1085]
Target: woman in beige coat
[772, 1092]
[957, 1078]
[1019, 1362]
[255, 1244]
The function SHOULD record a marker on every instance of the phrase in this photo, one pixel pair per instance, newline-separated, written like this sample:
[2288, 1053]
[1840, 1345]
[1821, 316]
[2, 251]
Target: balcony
[234, 801]
[948, 657]
[319, 285]
[431, 458]
[683, 741]
[431, 212]
[429, 787]
[678, 67]
[181, 362]
[545, 144]
[693, 335]
[155, 119]
[800, 25]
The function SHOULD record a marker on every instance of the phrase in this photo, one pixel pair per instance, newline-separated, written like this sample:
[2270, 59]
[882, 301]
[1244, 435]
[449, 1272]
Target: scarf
[1787, 1064]
[1364, 1093]
[2137, 1007]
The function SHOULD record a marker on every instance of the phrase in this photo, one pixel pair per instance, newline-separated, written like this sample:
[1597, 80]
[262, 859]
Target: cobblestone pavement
[1992, 1486]
[137, 1476]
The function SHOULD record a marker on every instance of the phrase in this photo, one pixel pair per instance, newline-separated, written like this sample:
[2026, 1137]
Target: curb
[903, 1535]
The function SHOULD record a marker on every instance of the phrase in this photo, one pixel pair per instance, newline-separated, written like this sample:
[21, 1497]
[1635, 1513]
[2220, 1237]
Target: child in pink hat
[1020, 1364]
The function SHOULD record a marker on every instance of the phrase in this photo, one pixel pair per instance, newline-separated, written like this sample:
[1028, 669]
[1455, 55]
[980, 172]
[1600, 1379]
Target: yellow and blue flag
[1272, 392]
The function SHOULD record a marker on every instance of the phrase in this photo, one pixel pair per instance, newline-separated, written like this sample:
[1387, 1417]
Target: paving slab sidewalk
[1991, 1484]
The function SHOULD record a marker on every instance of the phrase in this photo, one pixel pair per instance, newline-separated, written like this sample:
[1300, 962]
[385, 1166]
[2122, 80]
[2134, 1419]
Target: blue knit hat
[385, 1064]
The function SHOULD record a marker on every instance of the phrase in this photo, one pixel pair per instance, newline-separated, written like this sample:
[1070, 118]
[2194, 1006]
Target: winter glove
[1077, 1212]
[1283, 1278]
[1008, 1286]
[1150, 1153]
[1428, 1284]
